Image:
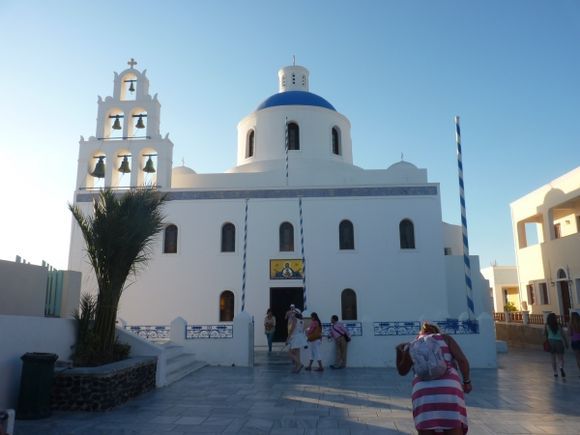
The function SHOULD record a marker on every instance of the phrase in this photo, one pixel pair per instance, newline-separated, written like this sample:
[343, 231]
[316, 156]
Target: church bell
[99, 171]
[117, 123]
[140, 123]
[149, 168]
[132, 87]
[124, 168]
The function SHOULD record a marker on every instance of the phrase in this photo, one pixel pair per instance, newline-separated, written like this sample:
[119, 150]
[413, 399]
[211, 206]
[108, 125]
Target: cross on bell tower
[132, 63]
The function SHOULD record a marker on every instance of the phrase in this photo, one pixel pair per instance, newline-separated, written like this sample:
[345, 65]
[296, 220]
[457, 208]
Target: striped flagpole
[244, 260]
[466, 262]
[302, 250]
[286, 148]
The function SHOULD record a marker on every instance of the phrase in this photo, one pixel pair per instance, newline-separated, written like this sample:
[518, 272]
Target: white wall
[22, 289]
[22, 334]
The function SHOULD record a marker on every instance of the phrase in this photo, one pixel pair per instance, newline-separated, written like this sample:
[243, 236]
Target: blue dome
[295, 98]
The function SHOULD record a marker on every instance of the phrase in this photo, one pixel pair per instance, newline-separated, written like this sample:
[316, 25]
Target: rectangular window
[531, 296]
[447, 251]
[544, 293]
[557, 231]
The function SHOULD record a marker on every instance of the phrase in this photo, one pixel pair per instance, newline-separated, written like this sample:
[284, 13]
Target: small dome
[295, 98]
[402, 165]
[182, 170]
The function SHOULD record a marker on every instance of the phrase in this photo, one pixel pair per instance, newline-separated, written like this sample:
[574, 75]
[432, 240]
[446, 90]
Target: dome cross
[132, 63]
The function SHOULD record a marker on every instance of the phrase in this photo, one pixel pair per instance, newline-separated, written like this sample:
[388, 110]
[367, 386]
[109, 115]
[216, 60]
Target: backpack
[428, 360]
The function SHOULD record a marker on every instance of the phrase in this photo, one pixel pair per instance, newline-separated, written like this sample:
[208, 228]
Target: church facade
[295, 221]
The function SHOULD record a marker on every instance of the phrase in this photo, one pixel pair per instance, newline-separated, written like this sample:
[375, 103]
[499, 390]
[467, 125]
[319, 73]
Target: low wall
[520, 335]
[104, 387]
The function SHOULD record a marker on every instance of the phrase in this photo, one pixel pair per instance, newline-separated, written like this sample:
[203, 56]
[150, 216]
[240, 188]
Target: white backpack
[428, 360]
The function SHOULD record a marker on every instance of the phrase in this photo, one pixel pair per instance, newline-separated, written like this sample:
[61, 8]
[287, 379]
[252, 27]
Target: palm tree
[118, 238]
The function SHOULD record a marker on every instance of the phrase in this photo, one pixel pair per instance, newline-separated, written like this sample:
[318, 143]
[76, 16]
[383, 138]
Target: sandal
[308, 368]
[319, 369]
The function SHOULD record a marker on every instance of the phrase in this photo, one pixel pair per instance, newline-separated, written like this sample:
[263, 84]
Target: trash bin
[35, 385]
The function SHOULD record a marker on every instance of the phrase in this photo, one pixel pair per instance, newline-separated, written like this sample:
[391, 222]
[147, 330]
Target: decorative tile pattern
[150, 332]
[354, 328]
[209, 331]
[449, 326]
[426, 190]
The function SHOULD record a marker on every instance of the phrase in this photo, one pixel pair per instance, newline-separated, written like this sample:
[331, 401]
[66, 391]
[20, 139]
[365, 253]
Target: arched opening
[122, 169]
[348, 304]
[286, 237]
[564, 293]
[346, 235]
[228, 237]
[129, 85]
[293, 136]
[148, 167]
[114, 125]
[97, 166]
[137, 124]
[226, 306]
[250, 144]
[336, 141]
[407, 234]
[170, 239]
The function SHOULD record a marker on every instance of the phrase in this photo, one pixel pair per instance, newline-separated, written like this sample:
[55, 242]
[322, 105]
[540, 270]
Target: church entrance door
[280, 300]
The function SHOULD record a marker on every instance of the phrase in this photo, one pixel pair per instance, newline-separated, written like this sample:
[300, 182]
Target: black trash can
[35, 385]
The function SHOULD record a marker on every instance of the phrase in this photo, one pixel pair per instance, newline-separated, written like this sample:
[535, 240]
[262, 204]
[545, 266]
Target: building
[295, 221]
[503, 286]
[546, 227]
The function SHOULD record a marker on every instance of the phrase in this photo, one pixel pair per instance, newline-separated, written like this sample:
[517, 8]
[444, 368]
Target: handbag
[346, 337]
[316, 334]
[404, 361]
[547, 347]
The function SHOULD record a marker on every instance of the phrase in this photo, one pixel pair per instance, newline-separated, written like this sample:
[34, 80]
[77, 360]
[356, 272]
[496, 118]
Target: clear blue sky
[399, 70]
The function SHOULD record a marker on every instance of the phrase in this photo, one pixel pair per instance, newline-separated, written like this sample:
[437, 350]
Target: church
[293, 222]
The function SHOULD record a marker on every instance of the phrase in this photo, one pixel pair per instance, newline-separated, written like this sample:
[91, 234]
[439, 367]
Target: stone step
[172, 350]
[182, 366]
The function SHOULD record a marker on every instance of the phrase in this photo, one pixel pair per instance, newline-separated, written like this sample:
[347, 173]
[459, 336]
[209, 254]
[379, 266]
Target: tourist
[574, 330]
[557, 339]
[341, 337]
[439, 404]
[269, 327]
[314, 336]
[296, 338]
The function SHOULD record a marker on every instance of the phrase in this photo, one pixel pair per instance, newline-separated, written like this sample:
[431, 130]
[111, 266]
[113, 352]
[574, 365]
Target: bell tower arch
[127, 149]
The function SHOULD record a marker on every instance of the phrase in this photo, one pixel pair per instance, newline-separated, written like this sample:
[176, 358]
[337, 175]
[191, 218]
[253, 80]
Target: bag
[315, 335]
[428, 360]
[547, 347]
[404, 361]
[346, 338]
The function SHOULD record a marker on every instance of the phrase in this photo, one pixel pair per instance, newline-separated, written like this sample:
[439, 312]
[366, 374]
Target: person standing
[574, 330]
[439, 404]
[269, 327]
[557, 339]
[314, 336]
[296, 338]
[341, 337]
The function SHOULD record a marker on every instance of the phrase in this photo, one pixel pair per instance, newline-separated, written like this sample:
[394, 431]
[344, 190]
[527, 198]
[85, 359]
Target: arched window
[286, 237]
[346, 235]
[228, 237]
[293, 136]
[407, 234]
[226, 306]
[170, 240]
[250, 144]
[335, 141]
[348, 304]
[561, 274]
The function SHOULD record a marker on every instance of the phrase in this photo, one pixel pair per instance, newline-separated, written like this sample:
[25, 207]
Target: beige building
[546, 227]
[503, 287]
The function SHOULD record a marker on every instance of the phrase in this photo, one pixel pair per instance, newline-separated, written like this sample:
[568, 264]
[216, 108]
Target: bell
[149, 166]
[124, 168]
[117, 123]
[99, 171]
[132, 87]
[140, 122]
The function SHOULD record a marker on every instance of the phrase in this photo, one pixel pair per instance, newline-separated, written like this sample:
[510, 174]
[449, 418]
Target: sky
[399, 70]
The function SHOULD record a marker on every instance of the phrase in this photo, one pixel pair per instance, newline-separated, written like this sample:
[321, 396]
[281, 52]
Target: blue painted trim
[193, 332]
[150, 332]
[449, 326]
[354, 328]
[339, 192]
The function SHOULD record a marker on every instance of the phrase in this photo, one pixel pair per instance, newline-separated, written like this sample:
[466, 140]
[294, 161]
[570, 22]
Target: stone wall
[102, 388]
[520, 335]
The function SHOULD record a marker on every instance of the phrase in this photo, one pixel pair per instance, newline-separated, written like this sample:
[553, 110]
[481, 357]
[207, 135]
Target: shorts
[556, 346]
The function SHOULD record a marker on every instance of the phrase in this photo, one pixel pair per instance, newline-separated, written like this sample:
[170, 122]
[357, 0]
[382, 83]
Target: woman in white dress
[296, 338]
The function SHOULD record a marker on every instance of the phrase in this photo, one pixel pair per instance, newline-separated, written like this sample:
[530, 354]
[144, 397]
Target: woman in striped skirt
[439, 405]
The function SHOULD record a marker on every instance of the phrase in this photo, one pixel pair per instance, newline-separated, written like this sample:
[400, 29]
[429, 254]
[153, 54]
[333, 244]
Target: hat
[292, 306]
[297, 311]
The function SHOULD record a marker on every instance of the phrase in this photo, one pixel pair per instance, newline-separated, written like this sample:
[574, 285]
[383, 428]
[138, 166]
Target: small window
[348, 304]
[557, 231]
[228, 237]
[447, 251]
[250, 144]
[335, 141]
[293, 136]
[286, 237]
[531, 295]
[226, 306]
[544, 299]
[407, 234]
[346, 235]
[170, 240]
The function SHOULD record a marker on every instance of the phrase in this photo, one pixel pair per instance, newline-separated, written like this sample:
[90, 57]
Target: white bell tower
[128, 150]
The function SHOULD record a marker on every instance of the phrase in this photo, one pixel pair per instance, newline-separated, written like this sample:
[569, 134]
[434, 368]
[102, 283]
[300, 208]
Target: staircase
[178, 363]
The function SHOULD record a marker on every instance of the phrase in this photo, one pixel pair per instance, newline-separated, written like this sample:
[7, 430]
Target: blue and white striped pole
[466, 262]
[244, 260]
[286, 148]
[302, 250]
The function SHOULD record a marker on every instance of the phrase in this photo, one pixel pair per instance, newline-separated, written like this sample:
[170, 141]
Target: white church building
[295, 221]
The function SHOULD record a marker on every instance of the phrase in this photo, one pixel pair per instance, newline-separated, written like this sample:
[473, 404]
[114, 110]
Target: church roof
[295, 98]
